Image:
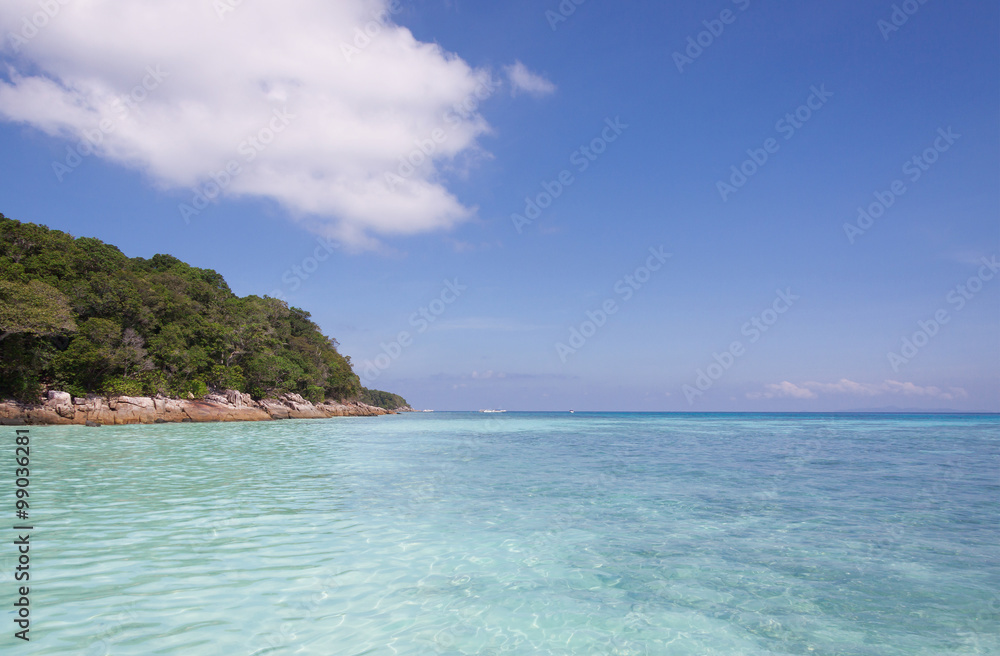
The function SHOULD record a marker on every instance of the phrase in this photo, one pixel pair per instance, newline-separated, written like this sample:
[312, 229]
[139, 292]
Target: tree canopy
[76, 314]
[35, 308]
[382, 399]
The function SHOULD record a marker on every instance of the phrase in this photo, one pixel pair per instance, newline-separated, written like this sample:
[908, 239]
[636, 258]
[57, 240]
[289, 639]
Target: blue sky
[772, 247]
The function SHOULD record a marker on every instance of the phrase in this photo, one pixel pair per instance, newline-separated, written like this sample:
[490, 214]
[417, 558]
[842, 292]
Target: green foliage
[23, 360]
[33, 307]
[195, 388]
[83, 363]
[341, 381]
[73, 390]
[382, 399]
[153, 383]
[79, 315]
[223, 377]
[118, 386]
[314, 394]
[269, 374]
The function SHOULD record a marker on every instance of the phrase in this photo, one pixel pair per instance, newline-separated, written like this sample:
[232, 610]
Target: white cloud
[782, 390]
[845, 386]
[524, 81]
[486, 375]
[811, 390]
[355, 111]
[909, 389]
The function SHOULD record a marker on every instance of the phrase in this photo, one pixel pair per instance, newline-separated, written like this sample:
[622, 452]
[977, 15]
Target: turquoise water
[464, 533]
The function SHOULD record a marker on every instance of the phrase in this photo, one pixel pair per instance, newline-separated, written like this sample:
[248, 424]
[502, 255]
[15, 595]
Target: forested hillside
[79, 316]
[381, 399]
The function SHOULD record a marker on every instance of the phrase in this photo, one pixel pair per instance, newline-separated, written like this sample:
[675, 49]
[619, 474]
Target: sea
[517, 533]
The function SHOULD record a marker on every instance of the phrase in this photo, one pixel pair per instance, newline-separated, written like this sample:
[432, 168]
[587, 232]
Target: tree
[81, 315]
[382, 399]
[92, 355]
[131, 354]
[35, 308]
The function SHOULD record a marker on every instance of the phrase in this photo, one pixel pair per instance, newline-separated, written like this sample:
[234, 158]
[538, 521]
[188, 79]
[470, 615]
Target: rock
[102, 415]
[43, 414]
[174, 406]
[92, 424]
[138, 401]
[60, 398]
[135, 410]
[200, 411]
[234, 397]
[275, 409]
[61, 403]
[230, 406]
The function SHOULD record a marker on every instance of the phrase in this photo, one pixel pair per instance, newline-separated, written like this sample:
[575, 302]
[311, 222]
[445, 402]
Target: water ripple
[464, 534]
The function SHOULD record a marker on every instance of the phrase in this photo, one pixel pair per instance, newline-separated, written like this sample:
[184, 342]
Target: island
[91, 336]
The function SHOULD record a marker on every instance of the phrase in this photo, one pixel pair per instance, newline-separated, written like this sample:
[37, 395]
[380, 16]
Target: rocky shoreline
[62, 409]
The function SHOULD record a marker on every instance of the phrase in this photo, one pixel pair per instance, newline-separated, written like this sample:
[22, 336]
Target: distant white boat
[491, 411]
[426, 411]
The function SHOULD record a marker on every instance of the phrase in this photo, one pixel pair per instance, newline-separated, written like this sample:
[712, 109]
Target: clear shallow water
[482, 534]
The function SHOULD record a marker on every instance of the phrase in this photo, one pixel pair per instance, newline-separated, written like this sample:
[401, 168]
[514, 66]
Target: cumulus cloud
[524, 81]
[783, 389]
[182, 88]
[812, 390]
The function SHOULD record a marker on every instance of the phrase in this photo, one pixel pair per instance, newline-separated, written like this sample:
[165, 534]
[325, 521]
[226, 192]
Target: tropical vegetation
[79, 316]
